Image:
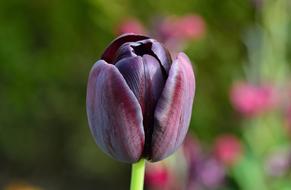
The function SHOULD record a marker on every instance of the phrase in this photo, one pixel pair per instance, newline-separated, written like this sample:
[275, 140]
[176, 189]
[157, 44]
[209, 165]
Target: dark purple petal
[124, 51]
[132, 69]
[163, 55]
[155, 49]
[145, 78]
[109, 54]
[114, 114]
[155, 82]
[174, 108]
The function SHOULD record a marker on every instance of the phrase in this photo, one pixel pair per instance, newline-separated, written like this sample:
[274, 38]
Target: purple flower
[139, 101]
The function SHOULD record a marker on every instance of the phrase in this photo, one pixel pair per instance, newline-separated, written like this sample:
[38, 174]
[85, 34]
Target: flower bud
[139, 101]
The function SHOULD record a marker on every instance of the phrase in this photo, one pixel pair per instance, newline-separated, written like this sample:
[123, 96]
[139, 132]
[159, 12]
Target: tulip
[139, 101]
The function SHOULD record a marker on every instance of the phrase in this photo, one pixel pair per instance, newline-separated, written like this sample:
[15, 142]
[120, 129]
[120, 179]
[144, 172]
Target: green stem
[137, 175]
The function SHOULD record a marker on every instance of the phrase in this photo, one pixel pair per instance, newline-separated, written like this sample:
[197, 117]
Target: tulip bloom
[139, 101]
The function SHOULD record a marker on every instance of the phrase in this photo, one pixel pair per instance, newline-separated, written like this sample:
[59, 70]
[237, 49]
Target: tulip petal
[145, 78]
[114, 114]
[155, 49]
[163, 55]
[132, 69]
[155, 82]
[124, 51]
[174, 108]
[109, 54]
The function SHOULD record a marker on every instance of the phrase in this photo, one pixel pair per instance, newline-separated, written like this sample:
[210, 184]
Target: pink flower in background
[157, 175]
[251, 100]
[187, 27]
[131, 26]
[176, 31]
[228, 149]
[190, 27]
[162, 176]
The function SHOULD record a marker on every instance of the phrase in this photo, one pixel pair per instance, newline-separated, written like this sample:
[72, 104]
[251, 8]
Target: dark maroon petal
[124, 51]
[155, 49]
[132, 69]
[174, 108]
[145, 78]
[114, 114]
[109, 54]
[155, 82]
[163, 55]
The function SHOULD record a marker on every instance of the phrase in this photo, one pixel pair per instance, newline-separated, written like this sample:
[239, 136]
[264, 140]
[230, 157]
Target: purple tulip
[139, 102]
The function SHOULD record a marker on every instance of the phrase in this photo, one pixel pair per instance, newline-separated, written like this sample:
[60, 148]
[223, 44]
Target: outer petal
[109, 54]
[174, 108]
[115, 117]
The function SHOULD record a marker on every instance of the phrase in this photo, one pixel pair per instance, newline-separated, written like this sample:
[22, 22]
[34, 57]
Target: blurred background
[239, 136]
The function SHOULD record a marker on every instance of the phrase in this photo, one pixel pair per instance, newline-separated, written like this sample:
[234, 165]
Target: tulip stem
[137, 175]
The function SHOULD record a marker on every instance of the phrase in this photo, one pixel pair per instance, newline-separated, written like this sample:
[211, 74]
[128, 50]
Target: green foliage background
[46, 51]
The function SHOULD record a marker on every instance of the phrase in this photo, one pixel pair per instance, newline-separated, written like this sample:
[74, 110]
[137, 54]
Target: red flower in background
[251, 100]
[228, 149]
